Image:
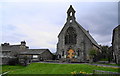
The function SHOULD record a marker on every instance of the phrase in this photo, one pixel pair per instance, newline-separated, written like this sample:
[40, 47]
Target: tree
[105, 51]
[110, 54]
[25, 60]
[93, 53]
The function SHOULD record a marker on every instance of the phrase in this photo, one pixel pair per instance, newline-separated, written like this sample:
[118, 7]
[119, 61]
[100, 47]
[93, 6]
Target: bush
[106, 59]
[25, 60]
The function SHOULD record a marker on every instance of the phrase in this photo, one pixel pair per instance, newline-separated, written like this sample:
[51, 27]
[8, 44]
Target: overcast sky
[39, 23]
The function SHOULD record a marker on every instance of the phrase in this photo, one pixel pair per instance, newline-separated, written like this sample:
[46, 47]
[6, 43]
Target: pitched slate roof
[88, 35]
[6, 50]
[34, 51]
[7, 46]
[117, 27]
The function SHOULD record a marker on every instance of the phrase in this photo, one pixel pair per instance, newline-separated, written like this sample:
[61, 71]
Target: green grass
[49, 68]
[6, 68]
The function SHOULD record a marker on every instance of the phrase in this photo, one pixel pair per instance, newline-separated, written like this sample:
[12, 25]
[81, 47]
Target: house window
[70, 36]
[35, 56]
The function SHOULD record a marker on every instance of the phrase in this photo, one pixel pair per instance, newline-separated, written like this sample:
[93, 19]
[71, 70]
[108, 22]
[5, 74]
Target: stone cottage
[74, 42]
[9, 52]
[37, 54]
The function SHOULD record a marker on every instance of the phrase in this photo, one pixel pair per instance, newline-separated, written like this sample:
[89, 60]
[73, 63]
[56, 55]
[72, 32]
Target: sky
[39, 23]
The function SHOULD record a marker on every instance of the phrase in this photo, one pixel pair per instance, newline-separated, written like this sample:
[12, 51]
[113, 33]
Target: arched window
[62, 53]
[78, 52]
[71, 13]
[70, 36]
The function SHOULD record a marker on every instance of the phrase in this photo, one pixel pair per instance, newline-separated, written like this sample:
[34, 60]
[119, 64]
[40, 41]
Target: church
[74, 42]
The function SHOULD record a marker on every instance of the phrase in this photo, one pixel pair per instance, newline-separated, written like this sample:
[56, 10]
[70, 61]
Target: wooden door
[70, 53]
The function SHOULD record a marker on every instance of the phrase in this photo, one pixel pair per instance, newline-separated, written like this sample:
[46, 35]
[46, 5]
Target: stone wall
[116, 44]
[46, 55]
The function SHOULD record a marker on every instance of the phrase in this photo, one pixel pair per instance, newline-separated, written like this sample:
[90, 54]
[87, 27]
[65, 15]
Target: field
[50, 68]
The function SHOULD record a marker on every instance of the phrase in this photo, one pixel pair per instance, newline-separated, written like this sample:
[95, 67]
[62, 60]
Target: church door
[70, 53]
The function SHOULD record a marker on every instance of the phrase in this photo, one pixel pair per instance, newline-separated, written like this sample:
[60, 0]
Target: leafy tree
[93, 53]
[106, 53]
[25, 60]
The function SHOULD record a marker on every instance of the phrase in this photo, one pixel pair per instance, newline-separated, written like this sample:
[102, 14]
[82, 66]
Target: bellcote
[71, 14]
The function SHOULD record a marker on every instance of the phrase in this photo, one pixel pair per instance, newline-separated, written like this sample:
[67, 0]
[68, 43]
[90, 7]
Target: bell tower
[70, 14]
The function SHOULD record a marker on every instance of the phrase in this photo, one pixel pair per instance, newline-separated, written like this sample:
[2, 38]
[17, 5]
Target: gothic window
[62, 53]
[78, 52]
[59, 56]
[70, 36]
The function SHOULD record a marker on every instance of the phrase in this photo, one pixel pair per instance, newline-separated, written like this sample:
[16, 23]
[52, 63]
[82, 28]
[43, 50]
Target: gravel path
[106, 65]
[83, 63]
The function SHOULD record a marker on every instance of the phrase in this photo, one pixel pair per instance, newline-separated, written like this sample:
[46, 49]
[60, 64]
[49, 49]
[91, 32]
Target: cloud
[40, 23]
[35, 26]
[100, 19]
[59, 1]
[119, 12]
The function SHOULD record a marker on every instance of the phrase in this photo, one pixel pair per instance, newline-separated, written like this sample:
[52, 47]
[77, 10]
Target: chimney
[23, 43]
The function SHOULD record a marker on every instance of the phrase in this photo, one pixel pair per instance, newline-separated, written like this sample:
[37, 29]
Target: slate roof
[116, 28]
[6, 50]
[88, 35]
[11, 47]
[34, 51]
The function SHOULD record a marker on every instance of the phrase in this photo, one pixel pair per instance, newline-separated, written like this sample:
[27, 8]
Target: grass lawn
[50, 68]
[6, 68]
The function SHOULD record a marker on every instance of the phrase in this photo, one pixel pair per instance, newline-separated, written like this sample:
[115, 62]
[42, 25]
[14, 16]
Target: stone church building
[116, 44]
[74, 42]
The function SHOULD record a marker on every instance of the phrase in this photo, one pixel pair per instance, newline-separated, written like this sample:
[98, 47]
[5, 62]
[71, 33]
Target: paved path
[84, 63]
[4, 73]
[106, 65]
